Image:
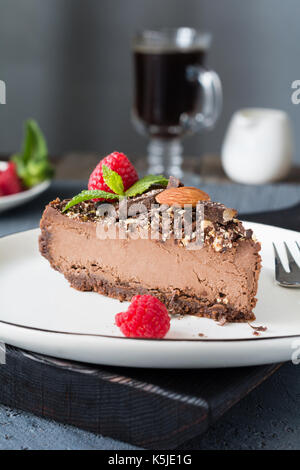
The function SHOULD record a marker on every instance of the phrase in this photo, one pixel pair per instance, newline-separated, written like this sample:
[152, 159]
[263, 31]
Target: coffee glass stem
[165, 157]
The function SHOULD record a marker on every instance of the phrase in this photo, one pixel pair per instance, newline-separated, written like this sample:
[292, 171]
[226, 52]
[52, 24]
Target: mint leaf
[32, 162]
[113, 180]
[138, 188]
[88, 195]
[34, 145]
[145, 183]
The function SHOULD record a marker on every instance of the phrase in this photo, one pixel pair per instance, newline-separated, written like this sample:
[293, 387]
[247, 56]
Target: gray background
[67, 63]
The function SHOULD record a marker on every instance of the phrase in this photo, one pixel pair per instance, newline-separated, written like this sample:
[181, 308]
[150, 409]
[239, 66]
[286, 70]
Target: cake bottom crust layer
[175, 301]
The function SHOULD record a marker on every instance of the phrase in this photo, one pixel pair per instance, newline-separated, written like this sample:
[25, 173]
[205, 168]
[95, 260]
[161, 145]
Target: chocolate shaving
[174, 183]
[171, 302]
[258, 328]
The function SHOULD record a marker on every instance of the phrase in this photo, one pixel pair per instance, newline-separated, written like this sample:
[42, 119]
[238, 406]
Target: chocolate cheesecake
[217, 280]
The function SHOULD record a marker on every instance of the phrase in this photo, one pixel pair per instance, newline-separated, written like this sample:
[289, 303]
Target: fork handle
[286, 218]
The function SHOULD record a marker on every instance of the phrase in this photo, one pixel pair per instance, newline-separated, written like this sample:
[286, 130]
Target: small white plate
[41, 313]
[14, 200]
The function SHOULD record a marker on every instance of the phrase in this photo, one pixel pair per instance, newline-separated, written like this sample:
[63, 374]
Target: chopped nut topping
[220, 236]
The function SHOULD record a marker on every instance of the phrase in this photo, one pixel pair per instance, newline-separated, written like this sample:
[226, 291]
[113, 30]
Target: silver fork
[285, 278]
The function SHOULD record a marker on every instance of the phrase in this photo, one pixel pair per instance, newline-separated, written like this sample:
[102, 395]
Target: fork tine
[285, 278]
[279, 269]
[291, 260]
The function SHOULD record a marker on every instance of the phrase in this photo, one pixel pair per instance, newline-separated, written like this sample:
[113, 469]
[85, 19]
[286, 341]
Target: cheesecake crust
[177, 303]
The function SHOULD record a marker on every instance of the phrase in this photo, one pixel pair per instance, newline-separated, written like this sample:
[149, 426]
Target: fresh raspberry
[119, 163]
[9, 181]
[146, 317]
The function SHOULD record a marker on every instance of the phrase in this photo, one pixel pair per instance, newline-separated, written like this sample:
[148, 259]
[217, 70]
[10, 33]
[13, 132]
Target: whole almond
[181, 196]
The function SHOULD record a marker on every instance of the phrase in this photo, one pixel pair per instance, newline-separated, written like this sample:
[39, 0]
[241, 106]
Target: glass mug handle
[211, 105]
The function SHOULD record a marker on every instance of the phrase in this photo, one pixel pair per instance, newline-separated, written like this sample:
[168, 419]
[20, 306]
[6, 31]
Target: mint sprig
[145, 183]
[113, 180]
[88, 195]
[115, 183]
[32, 162]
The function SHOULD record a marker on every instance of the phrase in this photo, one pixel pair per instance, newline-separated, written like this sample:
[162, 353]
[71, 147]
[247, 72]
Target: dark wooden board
[154, 409]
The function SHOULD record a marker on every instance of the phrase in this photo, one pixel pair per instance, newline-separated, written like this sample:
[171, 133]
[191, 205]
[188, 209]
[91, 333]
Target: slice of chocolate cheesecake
[219, 280]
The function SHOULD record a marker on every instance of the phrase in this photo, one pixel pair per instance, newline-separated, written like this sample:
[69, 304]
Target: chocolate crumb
[222, 321]
[174, 293]
[218, 213]
[248, 233]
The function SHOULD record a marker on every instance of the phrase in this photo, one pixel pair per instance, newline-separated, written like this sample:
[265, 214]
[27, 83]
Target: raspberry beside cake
[218, 281]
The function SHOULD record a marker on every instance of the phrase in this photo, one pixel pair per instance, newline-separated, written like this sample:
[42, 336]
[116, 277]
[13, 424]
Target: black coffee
[162, 90]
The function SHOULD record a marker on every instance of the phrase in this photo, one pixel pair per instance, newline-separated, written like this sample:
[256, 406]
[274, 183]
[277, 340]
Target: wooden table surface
[79, 166]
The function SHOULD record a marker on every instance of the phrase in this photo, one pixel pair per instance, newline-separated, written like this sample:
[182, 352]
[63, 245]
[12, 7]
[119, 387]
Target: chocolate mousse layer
[218, 281]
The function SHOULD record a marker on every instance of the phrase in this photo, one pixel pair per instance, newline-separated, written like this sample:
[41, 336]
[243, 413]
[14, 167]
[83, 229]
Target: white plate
[14, 200]
[41, 313]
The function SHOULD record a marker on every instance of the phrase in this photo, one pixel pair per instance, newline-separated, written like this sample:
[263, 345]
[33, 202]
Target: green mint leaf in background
[32, 162]
[88, 195]
[34, 145]
[113, 180]
[145, 183]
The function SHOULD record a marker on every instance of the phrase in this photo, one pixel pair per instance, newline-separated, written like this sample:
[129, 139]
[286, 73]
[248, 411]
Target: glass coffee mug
[175, 95]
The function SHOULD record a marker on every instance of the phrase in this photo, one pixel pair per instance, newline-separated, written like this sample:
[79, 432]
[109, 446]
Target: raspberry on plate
[9, 181]
[119, 163]
[146, 317]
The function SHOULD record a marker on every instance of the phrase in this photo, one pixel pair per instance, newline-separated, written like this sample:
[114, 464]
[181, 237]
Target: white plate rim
[23, 195]
[164, 340]
[220, 354]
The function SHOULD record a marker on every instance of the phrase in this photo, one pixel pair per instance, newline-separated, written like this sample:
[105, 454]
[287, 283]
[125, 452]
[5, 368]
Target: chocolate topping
[214, 211]
[217, 212]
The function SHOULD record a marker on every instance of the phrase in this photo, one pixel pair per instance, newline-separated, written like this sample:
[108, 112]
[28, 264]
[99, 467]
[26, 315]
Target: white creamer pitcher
[258, 146]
